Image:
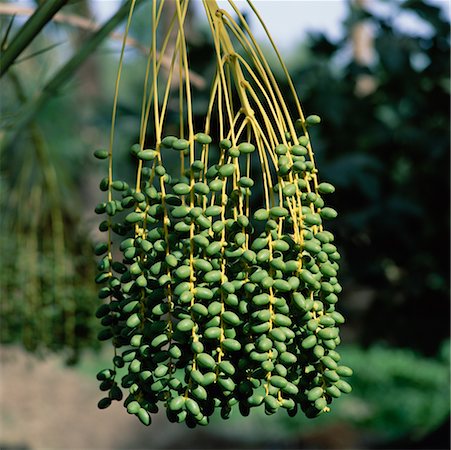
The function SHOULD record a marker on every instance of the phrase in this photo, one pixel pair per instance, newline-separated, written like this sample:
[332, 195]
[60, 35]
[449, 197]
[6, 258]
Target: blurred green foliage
[396, 393]
[388, 154]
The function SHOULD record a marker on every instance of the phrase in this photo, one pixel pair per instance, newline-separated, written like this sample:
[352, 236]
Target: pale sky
[289, 20]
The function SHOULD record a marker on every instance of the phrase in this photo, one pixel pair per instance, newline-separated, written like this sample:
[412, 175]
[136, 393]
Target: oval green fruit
[277, 334]
[344, 386]
[246, 182]
[133, 321]
[332, 299]
[280, 245]
[203, 138]
[313, 119]
[216, 185]
[199, 309]
[263, 256]
[320, 403]
[261, 328]
[271, 402]
[213, 248]
[259, 357]
[282, 320]
[333, 391]
[231, 318]
[213, 210]
[278, 264]
[101, 154]
[255, 399]
[179, 212]
[205, 360]
[202, 265]
[167, 141]
[225, 144]
[267, 366]
[183, 272]
[287, 358]
[203, 222]
[261, 214]
[264, 315]
[328, 213]
[331, 375]
[200, 393]
[213, 276]
[143, 416]
[201, 188]
[327, 270]
[282, 285]
[134, 217]
[308, 277]
[185, 325]
[192, 406]
[231, 345]
[261, 299]
[312, 219]
[337, 317]
[201, 241]
[203, 293]
[119, 185]
[278, 381]
[180, 144]
[181, 189]
[227, 384]
[246, 147]
[264, 344]
[227, 367]
[278, 211]
[212, 333]
[291, 389]
[312, 247]
[299, 150]
[334, 355]
[326, 188]
[315, 393]
[326, 320]
[177, 403]
[309, 342]
[227, 170]
[159, 341]
[281, 370]
[299, 301]
[133, 407]
[197, 376]
[328, 333]
[281, 149]
[289, 190]
[147, 155]
[329, 362]
[344, 371]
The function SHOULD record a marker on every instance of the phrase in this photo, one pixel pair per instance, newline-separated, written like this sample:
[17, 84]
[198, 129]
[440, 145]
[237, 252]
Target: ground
[46, 405]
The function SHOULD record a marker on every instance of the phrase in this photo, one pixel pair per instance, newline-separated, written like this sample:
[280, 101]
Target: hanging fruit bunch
[46, 289]
[217, 300]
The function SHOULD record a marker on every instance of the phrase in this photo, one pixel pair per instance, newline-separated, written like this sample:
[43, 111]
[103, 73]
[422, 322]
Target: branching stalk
[28, 32]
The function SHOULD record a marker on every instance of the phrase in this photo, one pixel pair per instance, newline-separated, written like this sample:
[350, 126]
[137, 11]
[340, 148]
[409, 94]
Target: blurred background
[377, 72]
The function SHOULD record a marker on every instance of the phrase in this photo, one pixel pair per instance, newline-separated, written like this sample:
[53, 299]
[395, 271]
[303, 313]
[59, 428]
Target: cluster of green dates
[50, 309]
[212, 304]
